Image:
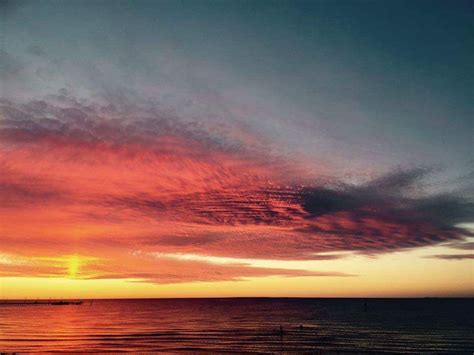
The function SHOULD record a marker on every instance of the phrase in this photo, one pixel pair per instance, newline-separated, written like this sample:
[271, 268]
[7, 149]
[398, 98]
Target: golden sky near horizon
[372, 277]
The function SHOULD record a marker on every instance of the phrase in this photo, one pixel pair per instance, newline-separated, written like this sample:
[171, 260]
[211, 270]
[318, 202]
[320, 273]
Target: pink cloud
[96, 181]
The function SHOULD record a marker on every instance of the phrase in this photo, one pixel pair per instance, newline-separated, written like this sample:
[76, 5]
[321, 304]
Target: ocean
[254, 325]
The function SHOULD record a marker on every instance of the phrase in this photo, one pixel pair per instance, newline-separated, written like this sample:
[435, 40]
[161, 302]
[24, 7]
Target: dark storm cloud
[389, 188]
[389, 196]
[385, 214]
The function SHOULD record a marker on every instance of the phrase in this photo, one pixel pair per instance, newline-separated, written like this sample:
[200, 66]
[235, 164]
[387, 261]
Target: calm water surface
[242, 325]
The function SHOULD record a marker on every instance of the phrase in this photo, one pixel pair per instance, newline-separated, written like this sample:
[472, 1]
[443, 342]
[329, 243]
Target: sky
[236, 148]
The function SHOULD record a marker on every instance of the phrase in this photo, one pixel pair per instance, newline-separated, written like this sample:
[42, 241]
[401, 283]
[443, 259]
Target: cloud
[461, 245]
[144, 267]
[103, 179]
[18, 188]
[177, 271]
[452, 256]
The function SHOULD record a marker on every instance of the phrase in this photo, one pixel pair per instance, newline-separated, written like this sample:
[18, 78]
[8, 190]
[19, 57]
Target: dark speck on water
[267, 325]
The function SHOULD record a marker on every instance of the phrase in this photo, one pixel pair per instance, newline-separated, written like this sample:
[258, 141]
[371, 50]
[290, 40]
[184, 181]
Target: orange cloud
[101, 183]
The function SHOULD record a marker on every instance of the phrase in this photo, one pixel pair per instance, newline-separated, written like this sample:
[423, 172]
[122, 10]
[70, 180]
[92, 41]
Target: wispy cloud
[102, 180]
[452, 256]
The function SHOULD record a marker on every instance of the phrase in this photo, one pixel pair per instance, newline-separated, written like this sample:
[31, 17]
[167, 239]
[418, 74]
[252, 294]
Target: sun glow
[73, 266]
[69, 266]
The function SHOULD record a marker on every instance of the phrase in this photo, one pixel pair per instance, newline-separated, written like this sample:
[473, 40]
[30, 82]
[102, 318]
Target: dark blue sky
[361, 82]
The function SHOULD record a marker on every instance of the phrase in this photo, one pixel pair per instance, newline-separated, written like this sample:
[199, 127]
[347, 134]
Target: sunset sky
[236, 148]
